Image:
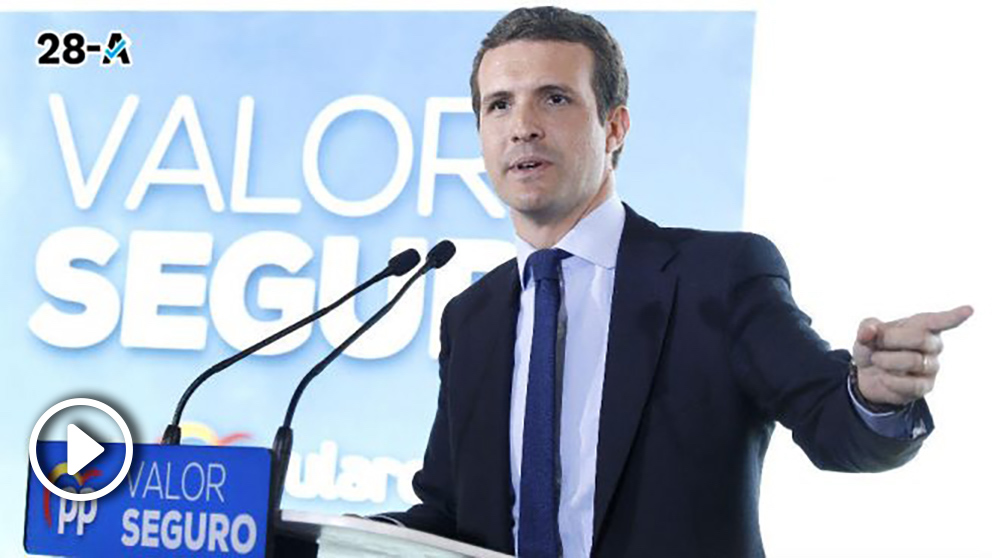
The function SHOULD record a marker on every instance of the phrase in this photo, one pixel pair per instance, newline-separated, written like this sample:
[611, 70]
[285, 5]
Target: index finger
[943, 321]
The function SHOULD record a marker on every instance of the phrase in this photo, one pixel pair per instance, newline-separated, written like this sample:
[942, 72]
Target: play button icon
[81, 449]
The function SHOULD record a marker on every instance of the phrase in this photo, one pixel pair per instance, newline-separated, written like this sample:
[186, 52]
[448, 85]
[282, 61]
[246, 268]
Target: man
[613, 389]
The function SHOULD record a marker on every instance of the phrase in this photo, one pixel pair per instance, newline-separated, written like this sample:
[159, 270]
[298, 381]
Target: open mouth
[528, 165]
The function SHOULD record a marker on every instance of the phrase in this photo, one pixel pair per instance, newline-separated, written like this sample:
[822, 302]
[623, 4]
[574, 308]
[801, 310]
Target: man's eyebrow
[556, 88]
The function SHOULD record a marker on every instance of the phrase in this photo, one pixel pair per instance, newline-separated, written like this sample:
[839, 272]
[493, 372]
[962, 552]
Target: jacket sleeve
[433, 483]
[792, 375]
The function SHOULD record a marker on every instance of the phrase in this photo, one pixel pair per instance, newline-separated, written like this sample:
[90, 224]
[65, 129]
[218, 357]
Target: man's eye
[497, 105]
[557, 99]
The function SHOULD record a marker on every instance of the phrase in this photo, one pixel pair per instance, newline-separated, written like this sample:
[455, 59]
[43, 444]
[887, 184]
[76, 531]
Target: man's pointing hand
[897, 361]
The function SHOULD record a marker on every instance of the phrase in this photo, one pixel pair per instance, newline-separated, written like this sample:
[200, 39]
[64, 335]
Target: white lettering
[240, 202]
[359, 480]
[130, 524]
[59, 278]
[201, 483]
[67, 516]
[87, 512]
[293, 297]
[84, 191]
[296, 485]
[172, 530]
[183, 112]
[470, 170]
[132, 481]
[148, 287]
[153, 291]
[404, 482]
[219, 527]
[326, 462]
[149, 528]
[382, 468]
[168, 483]
[215, 482]
[243, 546]
[404, 155]
[317, 477]
[154, 483]
[197, 543]
[339, 275]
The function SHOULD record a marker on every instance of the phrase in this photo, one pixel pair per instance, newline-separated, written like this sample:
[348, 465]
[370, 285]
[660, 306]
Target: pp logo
[82, 513]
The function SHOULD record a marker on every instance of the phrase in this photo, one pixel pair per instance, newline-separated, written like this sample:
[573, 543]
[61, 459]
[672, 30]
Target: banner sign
[175, 501]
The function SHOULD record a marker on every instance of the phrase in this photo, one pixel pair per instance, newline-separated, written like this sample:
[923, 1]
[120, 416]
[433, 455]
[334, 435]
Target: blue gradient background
[683, 165]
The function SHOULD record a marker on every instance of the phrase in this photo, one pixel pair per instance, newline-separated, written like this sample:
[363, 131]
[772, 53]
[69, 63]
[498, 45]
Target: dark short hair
[548, 23]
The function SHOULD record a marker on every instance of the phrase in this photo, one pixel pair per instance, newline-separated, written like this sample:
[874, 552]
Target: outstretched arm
[791, 374]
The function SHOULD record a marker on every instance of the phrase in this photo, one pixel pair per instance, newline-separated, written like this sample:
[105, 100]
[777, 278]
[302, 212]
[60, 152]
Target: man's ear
[617, 126]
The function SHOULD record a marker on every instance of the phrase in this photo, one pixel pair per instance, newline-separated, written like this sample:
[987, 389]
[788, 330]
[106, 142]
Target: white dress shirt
[587, 295]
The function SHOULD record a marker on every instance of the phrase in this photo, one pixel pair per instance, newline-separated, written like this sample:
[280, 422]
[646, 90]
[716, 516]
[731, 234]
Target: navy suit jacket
[706, 351]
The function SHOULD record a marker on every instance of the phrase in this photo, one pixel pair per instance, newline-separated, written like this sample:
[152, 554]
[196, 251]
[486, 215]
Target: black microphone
[438, 256]
[399, 264]
[282, 446]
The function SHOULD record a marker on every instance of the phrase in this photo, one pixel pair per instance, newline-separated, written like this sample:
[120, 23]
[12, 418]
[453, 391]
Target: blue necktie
[538, 533]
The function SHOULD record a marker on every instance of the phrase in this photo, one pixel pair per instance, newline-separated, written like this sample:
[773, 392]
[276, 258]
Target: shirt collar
[595, 238]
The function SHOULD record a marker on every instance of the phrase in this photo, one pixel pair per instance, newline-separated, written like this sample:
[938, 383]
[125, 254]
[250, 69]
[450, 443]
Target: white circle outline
[75, 402]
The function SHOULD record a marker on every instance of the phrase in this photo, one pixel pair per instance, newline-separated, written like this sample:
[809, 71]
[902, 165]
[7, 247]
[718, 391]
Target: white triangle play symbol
[81, 449]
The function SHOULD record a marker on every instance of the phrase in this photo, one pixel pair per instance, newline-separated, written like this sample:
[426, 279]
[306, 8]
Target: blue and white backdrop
[247, 168]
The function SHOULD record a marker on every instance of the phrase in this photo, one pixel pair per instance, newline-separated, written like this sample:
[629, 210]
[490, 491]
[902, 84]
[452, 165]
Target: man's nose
[526, 126]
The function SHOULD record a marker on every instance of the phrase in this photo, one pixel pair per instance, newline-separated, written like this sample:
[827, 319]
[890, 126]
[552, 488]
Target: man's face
[544, 147]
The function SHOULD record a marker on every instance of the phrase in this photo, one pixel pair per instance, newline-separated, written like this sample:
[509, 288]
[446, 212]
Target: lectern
[355, 537]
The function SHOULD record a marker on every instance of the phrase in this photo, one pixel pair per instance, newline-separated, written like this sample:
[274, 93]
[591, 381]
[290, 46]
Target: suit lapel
[643, 294]
[483, 432]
